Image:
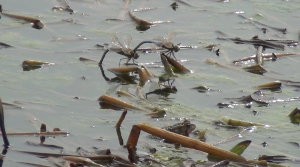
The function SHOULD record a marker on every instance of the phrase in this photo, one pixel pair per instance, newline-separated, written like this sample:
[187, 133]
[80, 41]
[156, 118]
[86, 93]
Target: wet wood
[121, 118]
[119, 103]
[183, 140]
[36, 22]
[131, 151]
[120, 138]
[138, 20]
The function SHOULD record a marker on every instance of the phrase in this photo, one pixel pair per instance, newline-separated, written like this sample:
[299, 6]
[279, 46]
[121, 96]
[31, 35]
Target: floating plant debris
[234, 122]
[178, 66]
[37, 24]
[11, 105]
[133, 87]
[4, 45]
[174, 6]
[276, 158]
[256, 69]
[44, 145]
[267, 56]
[184, 3]
[270, 85]
[118, 103]
[256, 41]
[295, 116]
[29, 65]
[121, 118]
[240, 147]
[86, 59]
[283, 30]
[167, 66]
[202, 89]
[176, 138]
[66, 7]
[138, 20]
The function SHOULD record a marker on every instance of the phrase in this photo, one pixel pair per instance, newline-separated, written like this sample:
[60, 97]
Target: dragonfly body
[166, 43]
[121, 49]
[163, 42]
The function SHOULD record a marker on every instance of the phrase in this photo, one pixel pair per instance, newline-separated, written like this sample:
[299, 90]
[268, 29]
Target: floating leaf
[234, 122]
[270, 85]
[240, 147]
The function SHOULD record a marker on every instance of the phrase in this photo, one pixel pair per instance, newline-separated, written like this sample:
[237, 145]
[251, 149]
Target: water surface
[53, 88]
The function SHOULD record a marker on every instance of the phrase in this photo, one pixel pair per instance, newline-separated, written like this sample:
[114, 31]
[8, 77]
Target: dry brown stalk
[121, 118]
[183, 140]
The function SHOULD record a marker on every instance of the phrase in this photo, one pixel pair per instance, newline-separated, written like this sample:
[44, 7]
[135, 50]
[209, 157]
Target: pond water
[47, 94]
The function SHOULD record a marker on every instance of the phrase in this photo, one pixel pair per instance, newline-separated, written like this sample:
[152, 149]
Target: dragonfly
[124, 50]
[163, 42]
[166, 43]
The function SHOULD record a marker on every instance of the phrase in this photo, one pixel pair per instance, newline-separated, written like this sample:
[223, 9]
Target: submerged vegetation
[155, 110]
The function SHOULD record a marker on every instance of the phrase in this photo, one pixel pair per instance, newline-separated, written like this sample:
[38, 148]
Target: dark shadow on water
[142, 27]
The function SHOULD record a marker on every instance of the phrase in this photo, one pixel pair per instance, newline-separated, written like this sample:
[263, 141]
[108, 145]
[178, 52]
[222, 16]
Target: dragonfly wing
[115, 49]
[159, 40]
[168, 45]
[127, 41]
[170, 36]
[155, 47]
[127, 51]
[113, 88]
[115, 43]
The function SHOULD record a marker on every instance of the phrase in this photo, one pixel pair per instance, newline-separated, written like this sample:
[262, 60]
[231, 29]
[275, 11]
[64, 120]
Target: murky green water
[53, 88]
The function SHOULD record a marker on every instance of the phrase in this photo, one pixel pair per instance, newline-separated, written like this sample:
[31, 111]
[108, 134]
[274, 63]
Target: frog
[184, 128]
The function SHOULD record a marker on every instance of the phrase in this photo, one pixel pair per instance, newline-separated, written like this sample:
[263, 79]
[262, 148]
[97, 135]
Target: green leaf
[240, 147]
